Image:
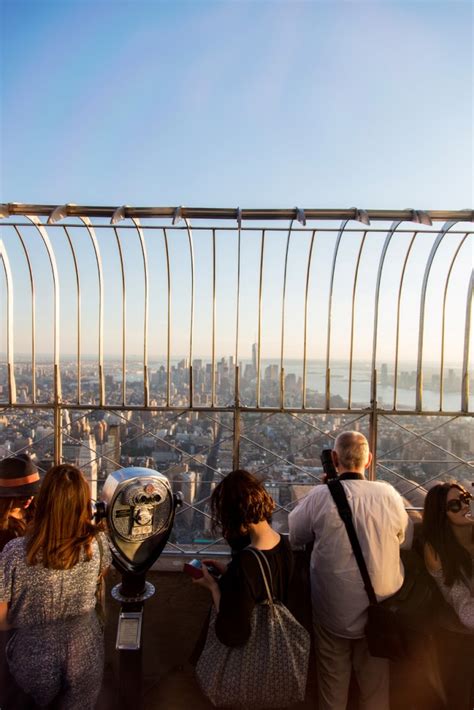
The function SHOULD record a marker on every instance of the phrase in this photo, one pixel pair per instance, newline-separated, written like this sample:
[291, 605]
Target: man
[338, 596]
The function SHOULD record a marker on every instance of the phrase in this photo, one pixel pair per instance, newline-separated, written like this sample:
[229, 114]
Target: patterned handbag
[269, 670]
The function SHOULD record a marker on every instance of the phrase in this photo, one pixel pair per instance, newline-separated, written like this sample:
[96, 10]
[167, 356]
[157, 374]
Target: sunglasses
[454, 506]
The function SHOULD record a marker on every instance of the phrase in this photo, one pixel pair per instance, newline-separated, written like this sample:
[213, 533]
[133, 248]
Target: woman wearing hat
[48, 584]
[19, 482]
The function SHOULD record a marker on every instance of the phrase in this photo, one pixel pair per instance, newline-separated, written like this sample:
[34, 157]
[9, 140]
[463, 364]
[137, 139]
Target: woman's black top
[242, 587]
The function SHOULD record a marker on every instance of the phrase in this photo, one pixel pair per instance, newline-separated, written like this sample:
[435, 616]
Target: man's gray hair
[352, 449]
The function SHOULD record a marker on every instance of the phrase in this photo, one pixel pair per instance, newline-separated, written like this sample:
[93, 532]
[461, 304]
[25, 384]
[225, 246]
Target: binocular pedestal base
[118, 594]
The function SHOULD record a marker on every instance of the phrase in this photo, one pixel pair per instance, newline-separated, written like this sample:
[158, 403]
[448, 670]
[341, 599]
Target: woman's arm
[4, 626]
[458, 596]
[208, 582]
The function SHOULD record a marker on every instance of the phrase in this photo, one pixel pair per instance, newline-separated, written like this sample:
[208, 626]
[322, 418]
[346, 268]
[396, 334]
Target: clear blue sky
[237, 103]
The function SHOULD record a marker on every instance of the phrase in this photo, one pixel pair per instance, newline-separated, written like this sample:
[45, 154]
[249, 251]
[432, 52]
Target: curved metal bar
[300, 215]
[305, 328]
[124, 319]
[388, 239]
[237, 314]
[443, 321]
[168, 345]
[86, 221]
[146, 388]
[259, 337]
[213, 348]
[421, 326]
[78, 320]
[191, 323]
[34, 219]
[331, 289]
[397, 329]
[354, 289]
[33, 315]
[467, 338]
[10, 357]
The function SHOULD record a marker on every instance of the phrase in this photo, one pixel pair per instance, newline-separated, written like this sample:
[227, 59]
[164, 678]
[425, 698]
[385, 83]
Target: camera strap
[339, 496]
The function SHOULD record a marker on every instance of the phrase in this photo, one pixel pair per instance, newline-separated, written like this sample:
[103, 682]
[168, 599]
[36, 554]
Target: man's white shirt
[339, 599]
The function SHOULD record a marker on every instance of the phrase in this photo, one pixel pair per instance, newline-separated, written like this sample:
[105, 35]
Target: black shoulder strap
[339, 495]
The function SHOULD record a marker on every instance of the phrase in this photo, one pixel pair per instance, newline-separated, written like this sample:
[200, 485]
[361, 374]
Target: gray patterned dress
[57, 645]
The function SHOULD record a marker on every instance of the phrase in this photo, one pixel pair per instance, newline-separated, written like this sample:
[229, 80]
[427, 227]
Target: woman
[448, 532]
[19, 482]
[48, 582]
[242, 509]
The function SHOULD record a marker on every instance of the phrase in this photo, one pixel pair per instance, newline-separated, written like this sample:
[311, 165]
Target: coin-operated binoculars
[139, 507]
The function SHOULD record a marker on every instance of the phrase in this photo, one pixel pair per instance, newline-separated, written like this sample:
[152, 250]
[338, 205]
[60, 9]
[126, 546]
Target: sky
[261, 103]
[251, 103]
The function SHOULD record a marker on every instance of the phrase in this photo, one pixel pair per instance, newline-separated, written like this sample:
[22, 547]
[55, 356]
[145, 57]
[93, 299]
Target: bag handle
[339, 496]
[268, 586]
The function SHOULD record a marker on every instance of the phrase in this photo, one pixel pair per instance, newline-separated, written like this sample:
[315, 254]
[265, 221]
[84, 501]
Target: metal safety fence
[199, 340]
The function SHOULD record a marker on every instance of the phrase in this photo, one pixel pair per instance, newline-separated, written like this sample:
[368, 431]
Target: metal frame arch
[421, 324]
[78, 324]
[305, 327]
[467, 339]
[300, 217]
[259, 336]
[90, 229]
[34, 219]
[168, 330]
[354, 291]
[331, 289]
[191, 324]
[141, 237]
[397, 327]
[124, 316]
[393, 227]
[10, 347]
[33, 313]
[443, 320]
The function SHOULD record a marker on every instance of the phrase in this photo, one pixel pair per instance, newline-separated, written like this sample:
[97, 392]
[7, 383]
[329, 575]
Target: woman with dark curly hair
[48, 582]
[242, 509]
[448, 532]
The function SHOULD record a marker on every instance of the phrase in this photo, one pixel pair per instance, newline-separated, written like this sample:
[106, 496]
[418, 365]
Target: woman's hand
[220, 566]
[208, 582]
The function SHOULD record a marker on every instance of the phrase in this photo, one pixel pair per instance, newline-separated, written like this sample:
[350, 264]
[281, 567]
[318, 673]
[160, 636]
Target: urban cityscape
[194, 447]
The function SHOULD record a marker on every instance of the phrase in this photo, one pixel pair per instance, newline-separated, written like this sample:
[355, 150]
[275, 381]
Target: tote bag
[269, 670]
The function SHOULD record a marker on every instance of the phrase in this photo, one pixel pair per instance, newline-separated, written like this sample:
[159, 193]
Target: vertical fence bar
[146, 388]
[467, 339]
[95, 245]
[78, 314]
[33, 315]
[191, 323]
[237, 318]
[421, 324]
[331, 289]
[213, 360]
[283, 304]
[168, 333]
[10, 355]
[259, 337]
[397, 328]
[443, 321]
[124, 318]
[386, 244]
[305, 327]
[54, 271]
[354, 290]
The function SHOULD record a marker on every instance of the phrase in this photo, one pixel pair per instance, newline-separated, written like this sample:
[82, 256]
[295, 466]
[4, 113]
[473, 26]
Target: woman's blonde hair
[62, 526]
